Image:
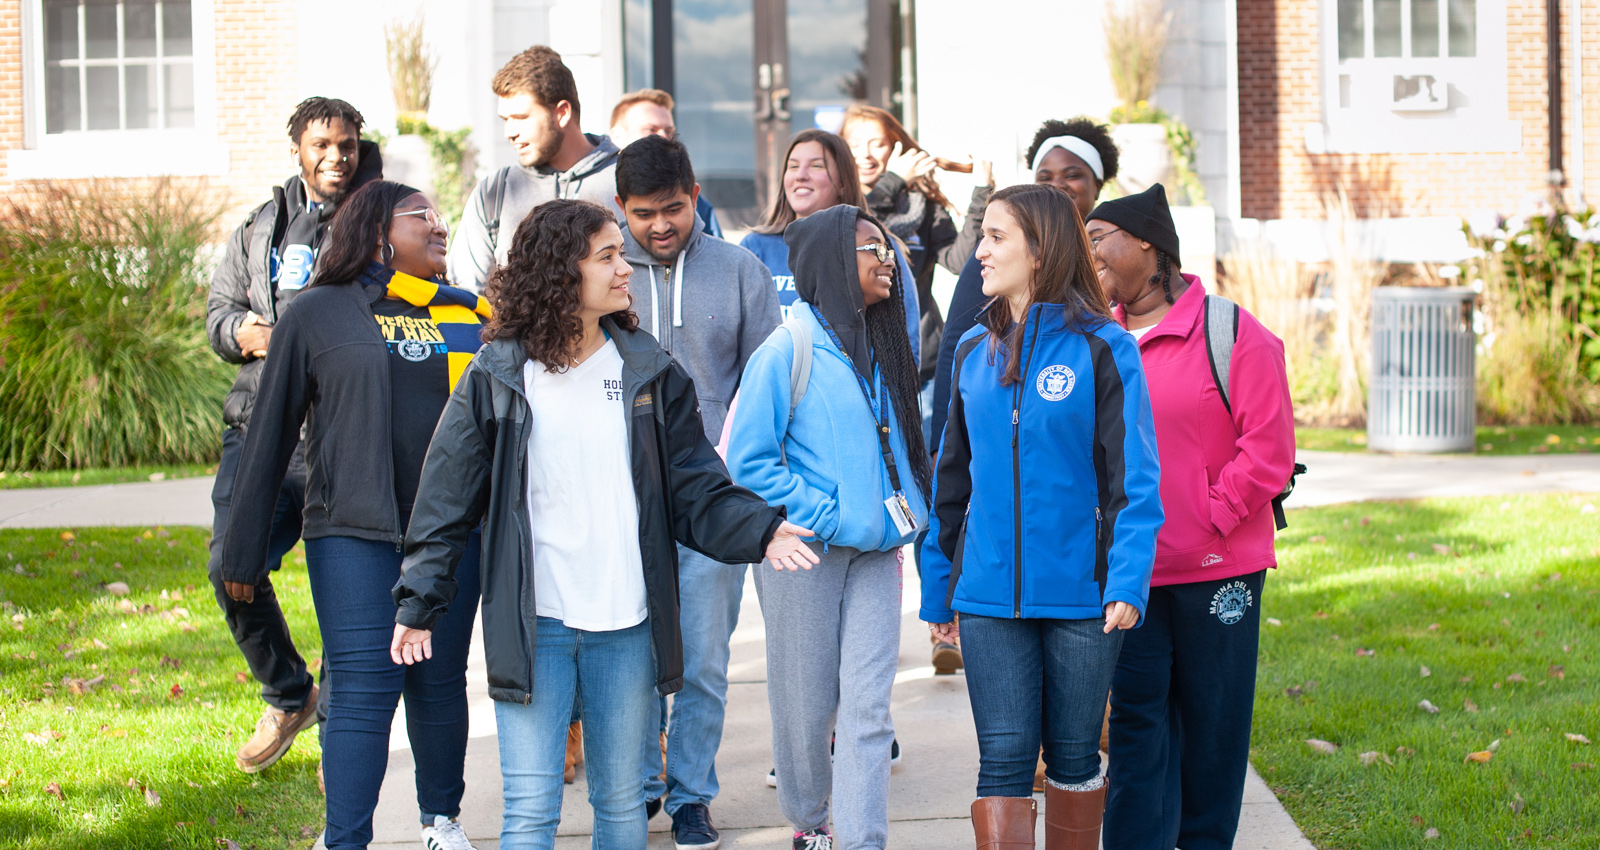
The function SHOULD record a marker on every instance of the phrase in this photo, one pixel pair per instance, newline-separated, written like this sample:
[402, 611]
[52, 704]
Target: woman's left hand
[1121, 615]
[410, 646]
[788, 550]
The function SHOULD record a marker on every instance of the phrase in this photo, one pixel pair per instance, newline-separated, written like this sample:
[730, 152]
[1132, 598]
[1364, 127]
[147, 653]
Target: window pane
[1352, 25]
[105, 107]
[1385, 27]
[139, 29]
[1424, 27]
[61, 104]
[180, 95]
[639, 55]
[1463, 28]
[177, 29]
[60, 30]
[140, 85]
[100, 25]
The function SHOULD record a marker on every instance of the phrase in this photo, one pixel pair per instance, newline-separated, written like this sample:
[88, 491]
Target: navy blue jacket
[1046, 500]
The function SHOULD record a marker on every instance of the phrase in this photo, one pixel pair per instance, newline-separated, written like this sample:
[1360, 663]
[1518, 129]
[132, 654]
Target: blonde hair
[897, 132]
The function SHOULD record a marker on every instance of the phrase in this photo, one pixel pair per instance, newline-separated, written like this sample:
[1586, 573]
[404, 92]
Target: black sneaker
[772, 778]
[813, 839]
[894, 753]
[692, 829]
[651, 807]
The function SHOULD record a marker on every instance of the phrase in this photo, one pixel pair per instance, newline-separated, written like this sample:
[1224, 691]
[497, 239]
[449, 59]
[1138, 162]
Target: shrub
[103, 355]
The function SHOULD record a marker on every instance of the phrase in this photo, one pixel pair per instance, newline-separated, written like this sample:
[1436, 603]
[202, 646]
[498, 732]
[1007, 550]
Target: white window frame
[1370, 127]
[196, 152]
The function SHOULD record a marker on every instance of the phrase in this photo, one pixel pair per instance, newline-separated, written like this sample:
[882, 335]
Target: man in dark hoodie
[555, 159]
[266, 263]
[710, 304]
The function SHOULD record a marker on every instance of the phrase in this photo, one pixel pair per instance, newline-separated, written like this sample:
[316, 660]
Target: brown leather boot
[1072, 818]
[574, 752]
[1004, 823]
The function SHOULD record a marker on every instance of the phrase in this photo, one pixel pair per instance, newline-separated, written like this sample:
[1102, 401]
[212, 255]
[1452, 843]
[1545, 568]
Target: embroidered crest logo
[1055, 383]
[414, 350]
[1231, 602]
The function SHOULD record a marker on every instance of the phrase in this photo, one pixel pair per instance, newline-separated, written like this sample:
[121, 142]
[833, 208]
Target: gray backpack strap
[1222, 330]
[493, 204]
[800, 368]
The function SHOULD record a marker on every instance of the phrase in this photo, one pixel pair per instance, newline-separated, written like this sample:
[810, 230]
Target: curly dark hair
[535, 295]
[1098, 135]
[314, 109]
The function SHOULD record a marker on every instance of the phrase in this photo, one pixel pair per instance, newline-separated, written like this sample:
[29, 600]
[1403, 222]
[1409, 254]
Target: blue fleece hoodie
[824, 465]
[1046, 494]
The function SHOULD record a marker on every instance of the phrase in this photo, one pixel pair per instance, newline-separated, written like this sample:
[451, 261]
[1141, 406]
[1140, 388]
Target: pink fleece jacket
[1219, 472]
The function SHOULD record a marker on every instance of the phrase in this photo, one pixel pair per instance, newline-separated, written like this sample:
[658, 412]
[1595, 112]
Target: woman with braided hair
[847, 460]
[1226, 437]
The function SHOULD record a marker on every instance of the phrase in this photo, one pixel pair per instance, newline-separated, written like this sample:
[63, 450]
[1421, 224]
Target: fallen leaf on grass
[1274, 621]
[1469, 705]
[151, 798]
[1426, 672]
[54, 790]
[1371, 758]
[1416, 820]
[187, 627]
[1556, 671]
[1433, 627]
[1494, 745]
[177, 691]
[1431, 834]
[1441, 549]
[1366, 653]
[1405, 751]
[1292, 692]
[1316, 538]
[1323, 747]
[1516, 677]
[1582, 765]
[117, 588]
[1576, 738]
[1428, 707]
[241, 677]
[1517, 804]
[1481, 757]
[230, 844]
[167, 661]
[1321, 615]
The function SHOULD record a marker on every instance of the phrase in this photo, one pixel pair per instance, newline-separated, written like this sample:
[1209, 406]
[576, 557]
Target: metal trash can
[1422, 393]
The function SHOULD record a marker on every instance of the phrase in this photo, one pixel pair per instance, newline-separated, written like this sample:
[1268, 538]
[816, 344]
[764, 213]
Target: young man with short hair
[266, 263]
[710, 304]
[648, 112]
[555, 159]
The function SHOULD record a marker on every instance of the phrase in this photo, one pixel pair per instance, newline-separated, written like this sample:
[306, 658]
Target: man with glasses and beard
[538, 101]
[267, 262]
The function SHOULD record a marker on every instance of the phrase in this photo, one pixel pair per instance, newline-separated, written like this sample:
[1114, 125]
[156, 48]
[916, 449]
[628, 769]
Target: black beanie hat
[1144, 216]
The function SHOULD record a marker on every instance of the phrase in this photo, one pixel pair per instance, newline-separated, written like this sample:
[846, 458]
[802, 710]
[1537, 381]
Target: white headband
[1073, 145]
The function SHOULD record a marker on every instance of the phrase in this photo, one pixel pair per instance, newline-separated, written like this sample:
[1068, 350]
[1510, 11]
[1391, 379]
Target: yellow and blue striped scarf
[457, 312]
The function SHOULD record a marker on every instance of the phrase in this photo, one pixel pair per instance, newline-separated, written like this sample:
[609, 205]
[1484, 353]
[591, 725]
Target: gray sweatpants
[833, 637]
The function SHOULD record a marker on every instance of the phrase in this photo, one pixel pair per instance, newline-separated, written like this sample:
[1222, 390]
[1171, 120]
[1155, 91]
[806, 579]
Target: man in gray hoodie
[710, 304]
[555, 159]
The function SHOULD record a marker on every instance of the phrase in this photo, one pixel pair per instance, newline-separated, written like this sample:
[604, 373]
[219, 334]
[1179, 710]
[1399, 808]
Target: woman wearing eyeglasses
[842, 465]
[366, 359]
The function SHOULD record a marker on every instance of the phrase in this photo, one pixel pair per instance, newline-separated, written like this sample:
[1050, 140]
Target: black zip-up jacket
[476, 471]
[329, 369]
[242, 281]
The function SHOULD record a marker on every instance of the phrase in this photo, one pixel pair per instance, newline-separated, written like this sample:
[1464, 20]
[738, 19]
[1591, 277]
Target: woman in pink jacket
[1184, 687]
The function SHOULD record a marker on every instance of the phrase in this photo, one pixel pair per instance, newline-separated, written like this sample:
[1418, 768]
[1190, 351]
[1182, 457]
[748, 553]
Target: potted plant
[407, 157]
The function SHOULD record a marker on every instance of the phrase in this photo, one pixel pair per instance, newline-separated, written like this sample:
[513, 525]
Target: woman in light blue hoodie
[840, 463]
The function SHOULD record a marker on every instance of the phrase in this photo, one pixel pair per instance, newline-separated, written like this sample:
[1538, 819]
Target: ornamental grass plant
[103, 355]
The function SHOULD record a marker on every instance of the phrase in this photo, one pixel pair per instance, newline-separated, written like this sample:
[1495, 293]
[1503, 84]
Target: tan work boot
[1072, 818]
[1004, 823]
[946, 657]
[274, 735]
[574, 752]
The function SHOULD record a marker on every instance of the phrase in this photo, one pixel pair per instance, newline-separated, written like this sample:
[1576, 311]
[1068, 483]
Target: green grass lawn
[119, 716]
[1492, 439]
[113, 475]
[1487, 608]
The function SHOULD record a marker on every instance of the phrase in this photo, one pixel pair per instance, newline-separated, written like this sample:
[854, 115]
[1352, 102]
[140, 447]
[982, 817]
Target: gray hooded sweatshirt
[724, 309]
[483, 239]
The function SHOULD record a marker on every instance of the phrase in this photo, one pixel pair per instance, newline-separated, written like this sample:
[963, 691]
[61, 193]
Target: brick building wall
[257, 72]
[1280, 80]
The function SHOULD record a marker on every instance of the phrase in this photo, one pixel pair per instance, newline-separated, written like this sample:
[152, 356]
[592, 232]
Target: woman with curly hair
[575, 441]
[366, 358]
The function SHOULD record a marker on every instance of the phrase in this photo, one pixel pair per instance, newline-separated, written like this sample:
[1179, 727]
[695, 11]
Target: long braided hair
[1163, 274]
[891, 348]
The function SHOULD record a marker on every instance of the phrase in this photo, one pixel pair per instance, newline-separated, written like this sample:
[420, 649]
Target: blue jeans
[612, 677]
[1031, 681]
[351, 580]
[709, 592]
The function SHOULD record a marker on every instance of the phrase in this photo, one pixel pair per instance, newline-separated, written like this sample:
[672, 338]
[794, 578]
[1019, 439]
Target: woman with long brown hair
[1045, 513]
[576, 442]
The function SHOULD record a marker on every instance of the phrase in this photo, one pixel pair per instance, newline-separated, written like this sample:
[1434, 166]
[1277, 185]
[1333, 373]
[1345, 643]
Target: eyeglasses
[433, 218]
[884, 252]
[1094, 241]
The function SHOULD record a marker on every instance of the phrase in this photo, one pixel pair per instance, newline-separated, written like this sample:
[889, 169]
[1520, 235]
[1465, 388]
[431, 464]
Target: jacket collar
[1180, 321]
[642, 358]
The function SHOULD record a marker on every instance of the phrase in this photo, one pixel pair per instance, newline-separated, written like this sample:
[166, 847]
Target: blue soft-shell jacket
[1046, 498]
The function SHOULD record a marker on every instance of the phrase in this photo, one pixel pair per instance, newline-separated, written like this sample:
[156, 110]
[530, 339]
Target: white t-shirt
[587, 571]
[1138, 333]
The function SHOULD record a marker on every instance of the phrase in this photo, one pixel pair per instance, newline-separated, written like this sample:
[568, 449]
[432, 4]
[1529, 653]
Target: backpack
[1222, 331]
[799, 378]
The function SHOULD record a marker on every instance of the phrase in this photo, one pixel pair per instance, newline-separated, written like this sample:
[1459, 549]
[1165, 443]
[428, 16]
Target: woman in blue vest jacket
[839, 461]
[1045, 513]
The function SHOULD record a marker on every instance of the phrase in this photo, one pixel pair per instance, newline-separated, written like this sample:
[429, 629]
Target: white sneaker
[445, 834]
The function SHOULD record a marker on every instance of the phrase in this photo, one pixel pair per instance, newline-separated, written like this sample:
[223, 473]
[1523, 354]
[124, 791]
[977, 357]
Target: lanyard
[875, 401]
